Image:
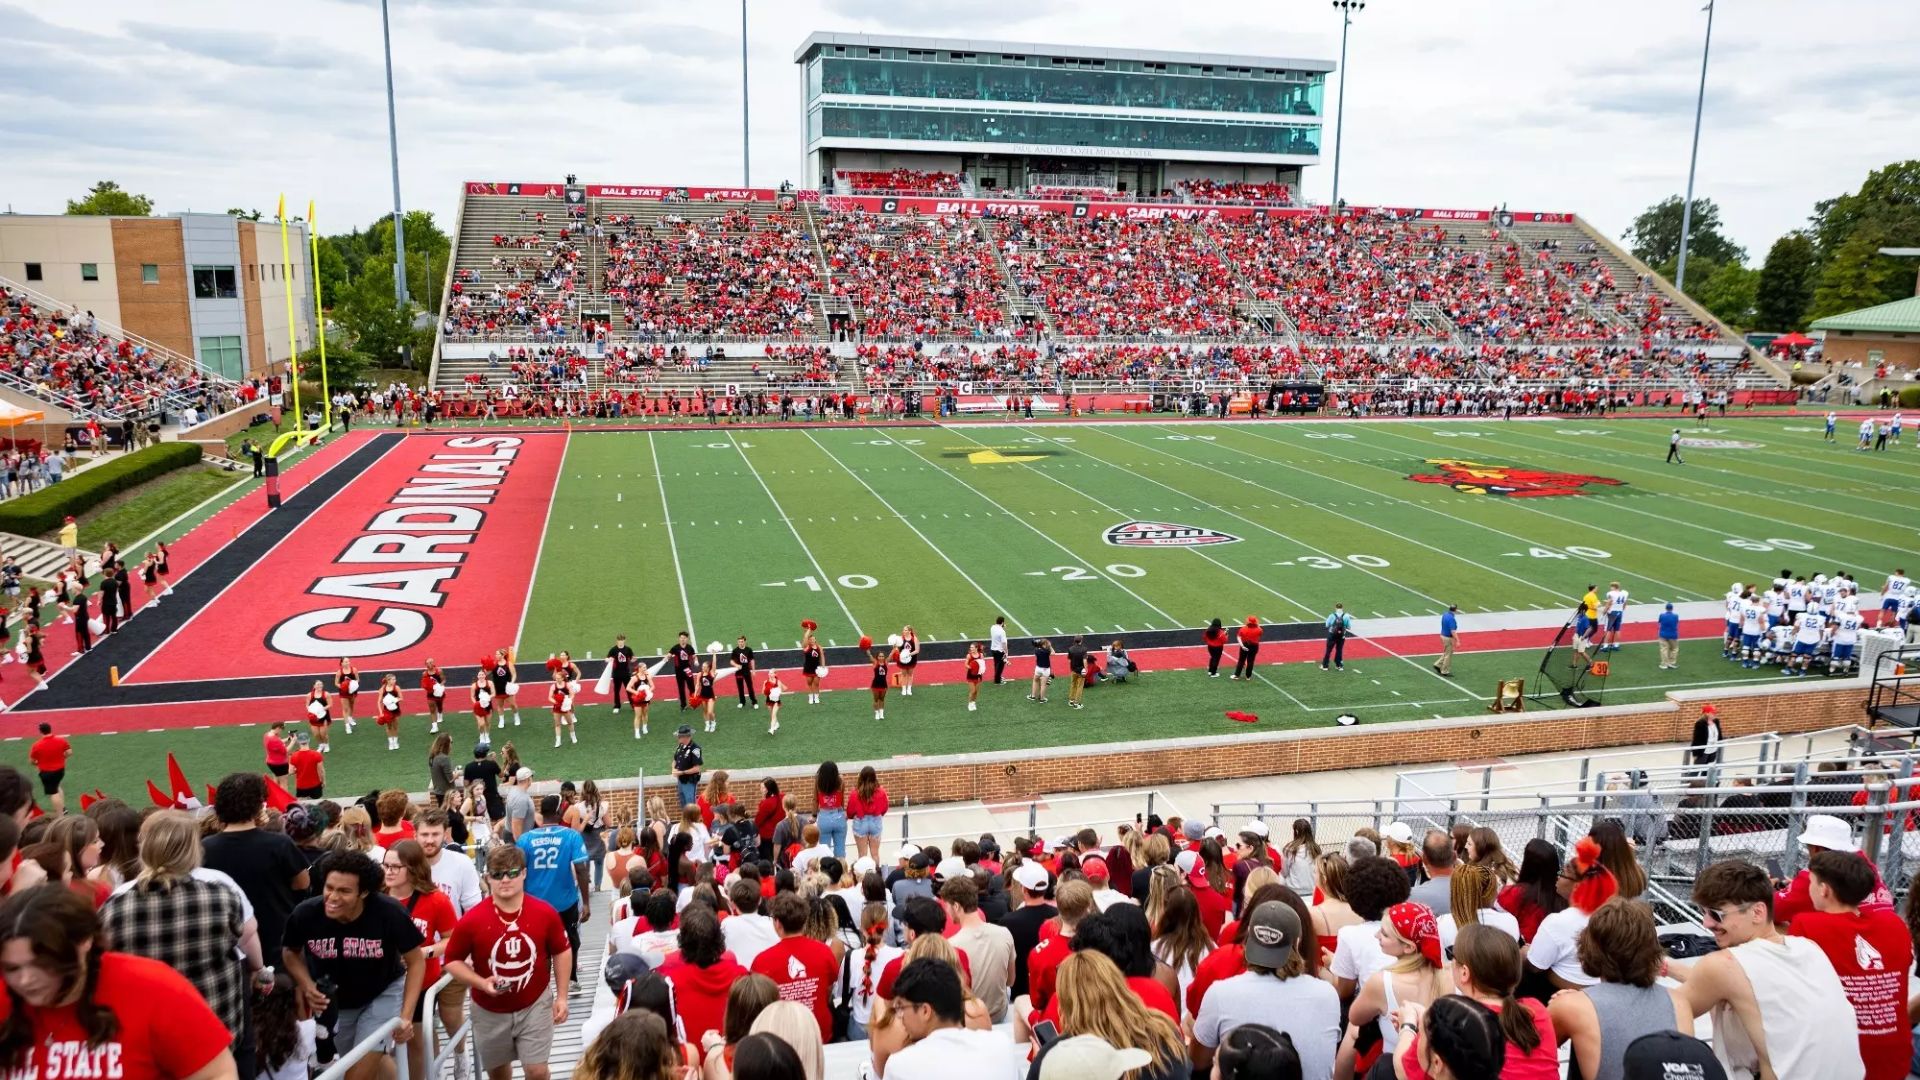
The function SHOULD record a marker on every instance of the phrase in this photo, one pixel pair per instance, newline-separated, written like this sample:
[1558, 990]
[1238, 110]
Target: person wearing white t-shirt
[932, 1009]
[747, 932]
[1474, 889]
[1555, 949]
[1373, 886]
[997, 648]
[1615, 610]
[1892, 593]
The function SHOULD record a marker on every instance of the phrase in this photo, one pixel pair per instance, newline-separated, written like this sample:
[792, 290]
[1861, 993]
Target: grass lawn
[1170, 704]
[133, 515]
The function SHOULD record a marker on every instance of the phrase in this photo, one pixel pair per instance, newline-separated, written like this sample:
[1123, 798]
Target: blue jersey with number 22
[551, 851]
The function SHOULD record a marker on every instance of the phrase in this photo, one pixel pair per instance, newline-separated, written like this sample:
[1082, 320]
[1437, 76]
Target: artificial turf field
[866, 529]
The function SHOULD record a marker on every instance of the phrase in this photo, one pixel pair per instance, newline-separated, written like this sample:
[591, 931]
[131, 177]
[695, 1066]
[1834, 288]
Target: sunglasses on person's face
[1720, 915]
[503, 875]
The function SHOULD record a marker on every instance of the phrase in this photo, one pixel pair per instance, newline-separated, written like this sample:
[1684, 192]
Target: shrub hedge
[1910, 397]
[45, 510]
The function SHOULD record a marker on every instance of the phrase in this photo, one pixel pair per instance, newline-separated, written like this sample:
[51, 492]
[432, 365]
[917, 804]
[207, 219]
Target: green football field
[867, 529]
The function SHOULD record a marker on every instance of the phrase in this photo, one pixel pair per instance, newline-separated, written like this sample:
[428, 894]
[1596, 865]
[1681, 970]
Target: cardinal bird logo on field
[1474, 478]
[1153, 534]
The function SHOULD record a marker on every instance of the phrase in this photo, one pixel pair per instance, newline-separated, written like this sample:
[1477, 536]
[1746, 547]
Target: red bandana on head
[1416, 925]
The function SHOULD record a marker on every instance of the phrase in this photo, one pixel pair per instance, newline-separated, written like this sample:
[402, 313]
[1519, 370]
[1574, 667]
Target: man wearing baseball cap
[1275, 991]
[1026, 921]
[1669, 1055]
[1824, 832]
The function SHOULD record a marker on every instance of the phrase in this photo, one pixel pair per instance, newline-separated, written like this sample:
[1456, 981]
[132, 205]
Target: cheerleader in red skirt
[346, 682]
[389, 703]
[976, 670]
[163, 568]
[640, 694]
[813, 662]
[879, 685]
[434, 685]
[907, 656]
[483, 706]
[319, 716]
[773, 689]
[560, 698]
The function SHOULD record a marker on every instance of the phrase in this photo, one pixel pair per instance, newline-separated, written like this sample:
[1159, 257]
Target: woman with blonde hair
[1473, 904]
[356, 832]
[1417, 975]
[1160, 880]
[656, 821]
[886, 1036]
[1332, 914]
[1095, 1000]
[1484, 848]
[794, 1024]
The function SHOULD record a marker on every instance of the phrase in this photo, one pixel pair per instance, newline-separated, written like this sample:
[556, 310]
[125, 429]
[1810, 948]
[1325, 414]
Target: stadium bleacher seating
[897, 182]
[68, 359]
[643, 286]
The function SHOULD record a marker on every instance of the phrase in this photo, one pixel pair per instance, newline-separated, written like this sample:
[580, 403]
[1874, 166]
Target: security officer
[743, 673]
[688, 761]
[681, 658]
[621, 656]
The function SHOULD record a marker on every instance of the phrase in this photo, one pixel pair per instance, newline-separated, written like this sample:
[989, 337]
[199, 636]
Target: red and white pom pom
[809, 625]
[316, 709]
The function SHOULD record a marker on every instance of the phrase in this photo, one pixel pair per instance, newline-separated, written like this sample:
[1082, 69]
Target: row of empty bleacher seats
[70, 360]
[897, 182]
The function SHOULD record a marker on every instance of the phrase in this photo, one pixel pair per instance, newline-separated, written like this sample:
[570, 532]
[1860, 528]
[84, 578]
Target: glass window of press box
[1133, 84]
[1059, 129]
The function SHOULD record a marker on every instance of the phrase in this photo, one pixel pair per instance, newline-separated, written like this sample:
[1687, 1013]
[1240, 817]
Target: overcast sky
[1544, 105]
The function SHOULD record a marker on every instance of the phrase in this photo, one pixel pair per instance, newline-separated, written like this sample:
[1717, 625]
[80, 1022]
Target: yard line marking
[1255, 582]
[1258, 675]
[679, 578]
[1462, 521]
[1203, 465]
[962, 481]
[891, 509]
[817, 568]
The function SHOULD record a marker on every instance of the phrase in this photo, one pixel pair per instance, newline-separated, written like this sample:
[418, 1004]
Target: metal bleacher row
[852, 276]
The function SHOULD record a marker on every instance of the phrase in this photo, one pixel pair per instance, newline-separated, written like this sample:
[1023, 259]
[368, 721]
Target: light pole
[746, 155]
[393, 148]
[1347, 8]
[1686, 208]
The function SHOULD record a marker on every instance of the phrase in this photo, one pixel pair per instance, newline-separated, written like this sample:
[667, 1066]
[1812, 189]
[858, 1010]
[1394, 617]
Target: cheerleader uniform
[390, 716]
[561, 698]
[501, 673]
[165, 570]
[36, 657]
[640, 695]
[482, 706]
[879, 687]
[435, 687]
[340, 684]
[149, 575]
[810, 658]
[706, 697]
[325, 719]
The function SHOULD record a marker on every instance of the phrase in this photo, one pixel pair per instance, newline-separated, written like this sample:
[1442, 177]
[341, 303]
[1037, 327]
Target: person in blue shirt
[1339, 625]
[1669, 639]
[1449, 637]
[557, 871]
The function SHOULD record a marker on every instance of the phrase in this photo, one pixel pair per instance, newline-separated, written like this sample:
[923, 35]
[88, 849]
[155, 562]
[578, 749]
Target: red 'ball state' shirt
[166, 1028]
[1872, 953]
[804, 970]
[515, 948]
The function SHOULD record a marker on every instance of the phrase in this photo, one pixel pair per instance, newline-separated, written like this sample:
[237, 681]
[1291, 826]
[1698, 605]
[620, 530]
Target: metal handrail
[381, 1041]
[1154, 798]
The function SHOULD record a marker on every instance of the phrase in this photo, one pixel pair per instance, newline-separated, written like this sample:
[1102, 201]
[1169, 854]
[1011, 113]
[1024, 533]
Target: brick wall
[1023, 774]
[158, 312]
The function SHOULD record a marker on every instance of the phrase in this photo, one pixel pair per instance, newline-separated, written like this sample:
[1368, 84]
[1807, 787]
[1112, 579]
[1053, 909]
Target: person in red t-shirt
[1824, 832]
[309, 769]
[274, 745]
[921, 915]
[54, 958]
[801, 967]
[395, 811]
[700, 974]
[408, 878]
[1215, 639]
[1249, 649]
[49, 754]
[507, 951]
[1871, 952]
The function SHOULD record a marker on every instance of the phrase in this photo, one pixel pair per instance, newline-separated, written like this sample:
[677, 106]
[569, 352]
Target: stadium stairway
[40, 559]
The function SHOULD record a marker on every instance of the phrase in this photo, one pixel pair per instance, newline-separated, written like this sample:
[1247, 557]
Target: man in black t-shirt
[486, 770]
[621, 657]
[354, 955]
[743, 673]
[267, 866]
[1026, 921]
[681, 658]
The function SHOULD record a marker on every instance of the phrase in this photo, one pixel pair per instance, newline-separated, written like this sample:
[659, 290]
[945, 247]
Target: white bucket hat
[1827, 831]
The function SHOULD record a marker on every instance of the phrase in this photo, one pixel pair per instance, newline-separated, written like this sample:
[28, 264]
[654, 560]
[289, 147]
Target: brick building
[1883, 334]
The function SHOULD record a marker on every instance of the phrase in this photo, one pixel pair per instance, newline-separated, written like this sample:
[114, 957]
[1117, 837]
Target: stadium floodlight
[1347, 8]
[1693, 161]
[393, 148]
[746, 154]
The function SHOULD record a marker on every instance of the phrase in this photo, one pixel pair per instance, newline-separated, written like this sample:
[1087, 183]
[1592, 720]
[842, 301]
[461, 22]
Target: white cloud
[215, 103]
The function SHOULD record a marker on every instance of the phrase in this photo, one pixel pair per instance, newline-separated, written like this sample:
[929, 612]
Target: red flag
[209, 801]
[177, 780]
[277, 797]
[159, 798]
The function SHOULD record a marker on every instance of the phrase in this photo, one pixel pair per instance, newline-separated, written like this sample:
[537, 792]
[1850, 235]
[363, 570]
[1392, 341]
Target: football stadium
[1059, 449]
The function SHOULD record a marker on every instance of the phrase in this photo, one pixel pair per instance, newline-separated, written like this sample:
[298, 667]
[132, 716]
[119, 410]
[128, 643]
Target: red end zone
[429, 553]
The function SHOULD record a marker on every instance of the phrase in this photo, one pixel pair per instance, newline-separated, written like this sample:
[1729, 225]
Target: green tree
[379, 327]
[1857, 276]
[1786, 284]
[1729, 291]
[345, 366]
[1655, 234]
[1886, 209]
[244, 215]
[106, 197]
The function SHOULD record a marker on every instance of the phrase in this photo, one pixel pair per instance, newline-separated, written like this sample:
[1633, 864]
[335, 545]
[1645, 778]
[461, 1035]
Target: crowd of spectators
[1114, 277]
[66, 358]
[732, 274]
[1003, 367]
[530, 296]
[909, 276]
[899, 182]
[1266, 193]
